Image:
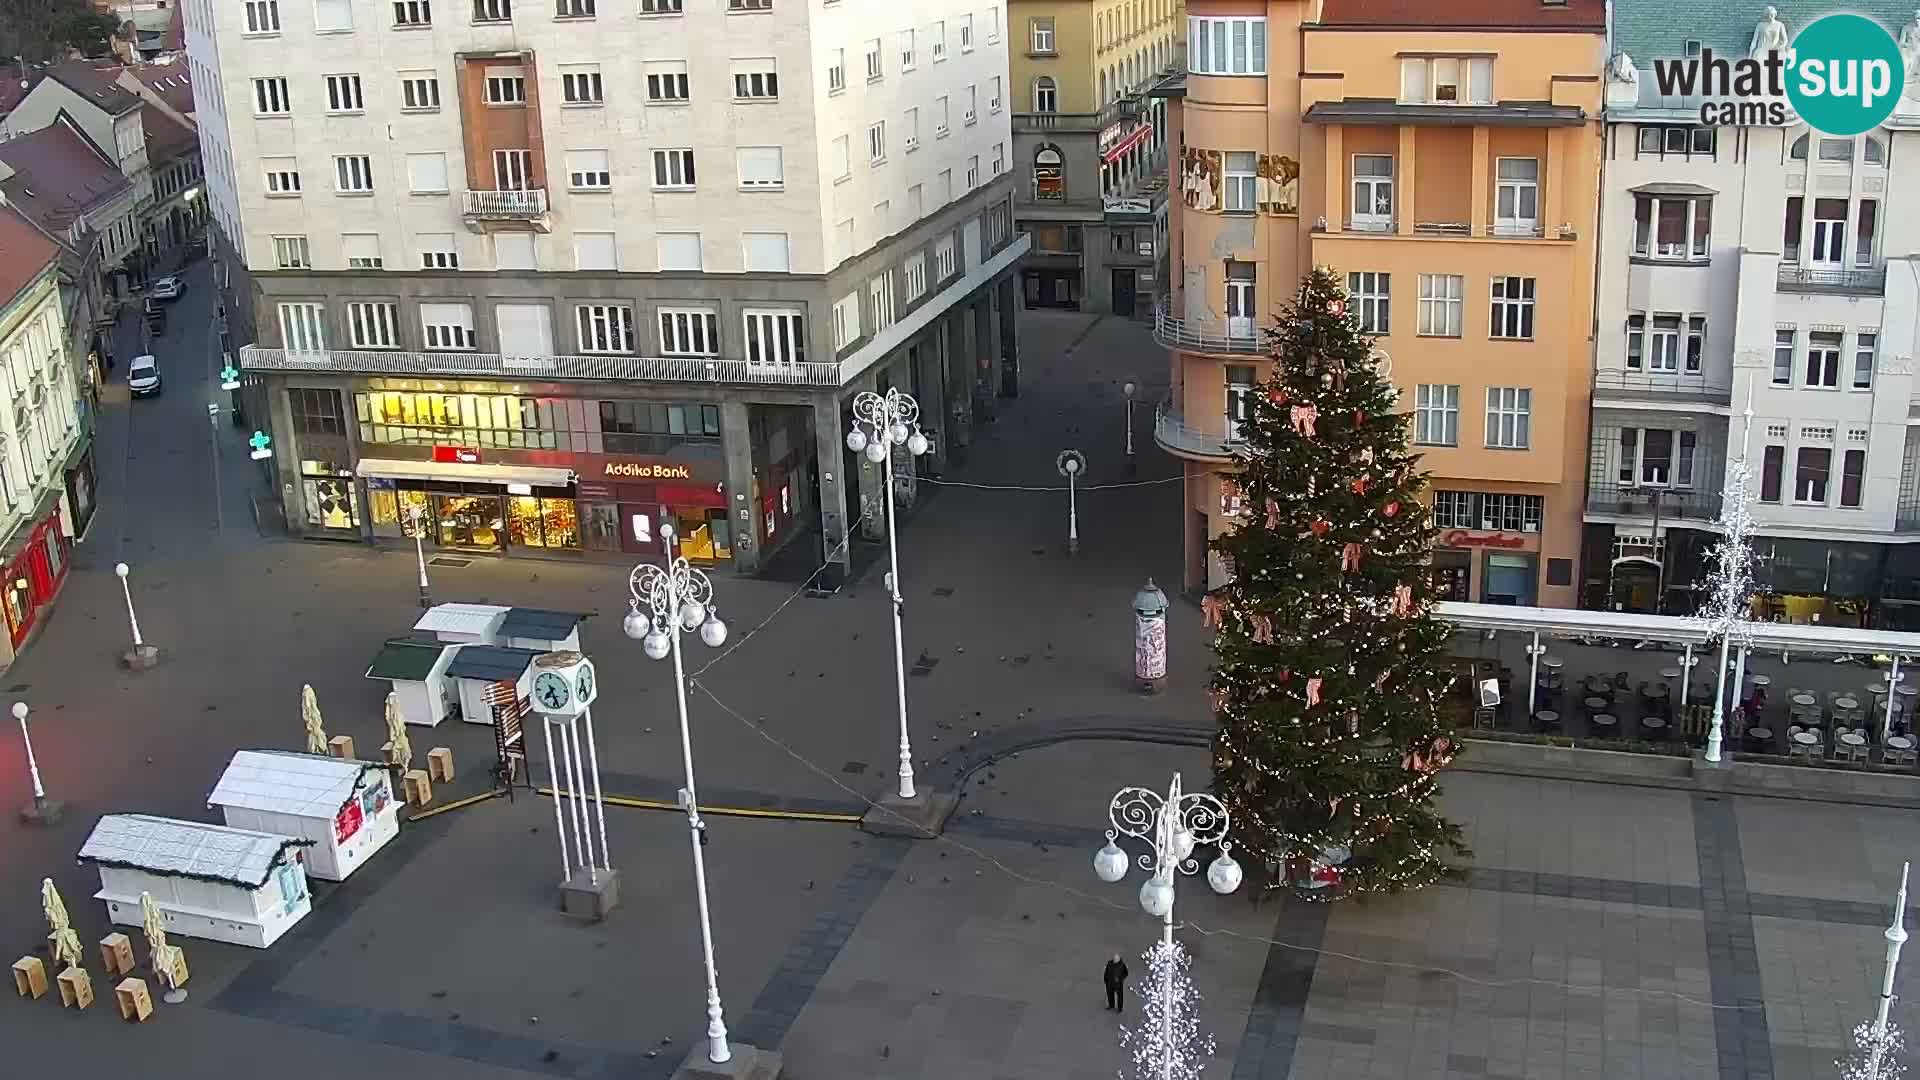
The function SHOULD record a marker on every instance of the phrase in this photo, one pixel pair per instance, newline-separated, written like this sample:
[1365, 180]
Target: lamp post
[1896, 935]
[142, 656]
[418, 512]
[1174, 824]
[880, 423]
[1129, 389]
[1071, 464]
[42, 810]
[667, 602]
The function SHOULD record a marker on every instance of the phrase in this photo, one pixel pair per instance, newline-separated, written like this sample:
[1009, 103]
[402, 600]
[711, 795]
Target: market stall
[345, 809]
[463, 623]
[487, 677]
[541, 629]
[418, 671]
[210, 881]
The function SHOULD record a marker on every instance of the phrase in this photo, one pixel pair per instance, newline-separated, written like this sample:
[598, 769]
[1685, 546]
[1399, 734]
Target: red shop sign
[1463, 538]
[456, 455]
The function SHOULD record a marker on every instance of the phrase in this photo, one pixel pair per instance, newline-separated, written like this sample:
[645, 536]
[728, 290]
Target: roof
[460, 618]
[539, 623]
[176, 37]
[188, 849]
[171, 83]
[1588, 15]
[406, 658]
[25, 253]
[167, 138]
[1813, 638]
[97, 85]
[57, 175]
[1650, 29]
[494, 663]
[290, 782]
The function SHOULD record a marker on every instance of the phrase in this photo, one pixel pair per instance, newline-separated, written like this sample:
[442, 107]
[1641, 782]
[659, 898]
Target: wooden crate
[440, 765]
[116, 954]
[134, 1001]
[419, 789]
[30, 976]
[76, 988]
[341, 746]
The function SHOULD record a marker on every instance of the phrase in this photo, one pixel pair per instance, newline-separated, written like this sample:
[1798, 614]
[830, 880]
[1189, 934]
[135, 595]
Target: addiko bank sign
[637, 470]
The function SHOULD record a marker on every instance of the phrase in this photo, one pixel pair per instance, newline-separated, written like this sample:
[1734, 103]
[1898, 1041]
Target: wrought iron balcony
[1178, 437]
[1649, 502]
[1907, 519]
[1635, 387]
[1804, 279]
[396, 364]
[527, 207]
[1211, 337]
[1113, 113]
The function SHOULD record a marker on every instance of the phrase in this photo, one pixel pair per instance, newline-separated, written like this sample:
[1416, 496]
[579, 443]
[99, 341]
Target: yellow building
[1445, 162]
[1090, 147]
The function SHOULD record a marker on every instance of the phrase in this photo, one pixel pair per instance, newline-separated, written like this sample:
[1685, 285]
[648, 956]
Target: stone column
[829, 431]
[284, 466]
[743, 512]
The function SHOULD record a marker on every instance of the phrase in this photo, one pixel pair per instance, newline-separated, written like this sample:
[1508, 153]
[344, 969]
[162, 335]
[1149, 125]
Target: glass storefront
[600, 525]
[537, 522]
[1452, 575]
[469, 521]
[327, 493]
[1509, 579]
[513, 422]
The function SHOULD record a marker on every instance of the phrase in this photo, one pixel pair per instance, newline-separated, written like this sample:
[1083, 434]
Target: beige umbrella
[66, 943]
[402, 754]
[166, 958]
[310, 712]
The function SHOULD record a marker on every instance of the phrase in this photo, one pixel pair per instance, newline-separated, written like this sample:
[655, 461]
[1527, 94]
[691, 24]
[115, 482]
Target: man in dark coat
[1116, 979]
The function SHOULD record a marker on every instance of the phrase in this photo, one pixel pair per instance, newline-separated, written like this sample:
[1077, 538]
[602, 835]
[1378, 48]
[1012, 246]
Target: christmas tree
[1330, 682]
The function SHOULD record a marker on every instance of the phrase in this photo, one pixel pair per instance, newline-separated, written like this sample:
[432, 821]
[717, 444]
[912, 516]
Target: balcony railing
[495, 365]
[1907, 519]
[1463, 229]
[1640, 386]
[1177, 333]
[1115, 112]
[1176, 436]
[1852, 282]
[506, 205]
[1647, 502]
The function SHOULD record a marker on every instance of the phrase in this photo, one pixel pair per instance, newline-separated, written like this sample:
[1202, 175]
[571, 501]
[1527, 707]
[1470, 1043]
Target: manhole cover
[448, 560]
[943, 591]
[854, 768]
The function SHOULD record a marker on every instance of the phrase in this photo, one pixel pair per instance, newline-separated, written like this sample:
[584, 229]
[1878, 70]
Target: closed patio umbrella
[66, 943]
[397, 735]
[165, 957]
[310, 712]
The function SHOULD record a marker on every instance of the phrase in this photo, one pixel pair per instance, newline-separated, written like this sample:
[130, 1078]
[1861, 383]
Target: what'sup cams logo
[1842, 75]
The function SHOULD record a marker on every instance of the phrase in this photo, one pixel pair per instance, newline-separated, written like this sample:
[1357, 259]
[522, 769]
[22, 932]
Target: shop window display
[601, 526]
[392, 509]
[328, 495]
[536, 522]
[469, 520]
[19, 611]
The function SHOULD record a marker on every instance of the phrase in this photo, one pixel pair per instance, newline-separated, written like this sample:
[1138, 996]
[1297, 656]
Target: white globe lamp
[636, 625]
[692, 614]
[656, 644]
[1182, 845]
[1156, 896]
[1110, 863]
[856, 440]
[898, 432]
[714, 633]
[876, 452]
[1223, 874]
[916, 444]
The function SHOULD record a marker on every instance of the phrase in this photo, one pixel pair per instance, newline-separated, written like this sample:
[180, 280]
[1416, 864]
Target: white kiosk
[209, 881]
[489, 678]
[346, 809]
[417, 670]
[463, 624]
[540, 629]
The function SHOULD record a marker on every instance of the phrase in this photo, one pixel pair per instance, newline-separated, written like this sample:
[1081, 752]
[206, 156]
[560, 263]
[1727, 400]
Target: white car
[143, 376]
[169, 288]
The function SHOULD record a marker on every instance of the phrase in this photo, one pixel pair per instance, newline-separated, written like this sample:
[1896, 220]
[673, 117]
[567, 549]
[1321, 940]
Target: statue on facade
[1769, 35]
[1910, 52]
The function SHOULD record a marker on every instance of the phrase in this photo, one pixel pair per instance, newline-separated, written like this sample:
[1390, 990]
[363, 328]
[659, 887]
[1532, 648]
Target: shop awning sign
[456, 455]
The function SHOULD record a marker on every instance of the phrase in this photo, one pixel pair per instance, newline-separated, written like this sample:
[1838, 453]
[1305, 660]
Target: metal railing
[506, 205]
[496, 365]
[1462, 229]
[1907, 519]
[1646, 501]
[1635, 386]
[1113, 113]
[1175, 435]
[1808, 279]
[1177, 333]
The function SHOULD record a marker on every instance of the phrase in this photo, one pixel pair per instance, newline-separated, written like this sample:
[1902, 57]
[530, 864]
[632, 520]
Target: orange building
[1446, 162]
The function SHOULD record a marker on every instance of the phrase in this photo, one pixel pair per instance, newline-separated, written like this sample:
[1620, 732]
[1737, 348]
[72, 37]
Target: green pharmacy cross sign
[260, 441]
[229, 378]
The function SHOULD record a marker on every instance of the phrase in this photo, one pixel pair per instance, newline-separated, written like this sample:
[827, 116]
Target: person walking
[1116, 979]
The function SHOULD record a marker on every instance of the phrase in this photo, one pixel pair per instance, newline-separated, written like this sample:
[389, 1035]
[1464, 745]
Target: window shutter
[525, 329]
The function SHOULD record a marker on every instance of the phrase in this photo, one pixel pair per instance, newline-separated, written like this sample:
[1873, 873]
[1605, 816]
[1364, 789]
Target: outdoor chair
[1894, 756]
[1483, 718]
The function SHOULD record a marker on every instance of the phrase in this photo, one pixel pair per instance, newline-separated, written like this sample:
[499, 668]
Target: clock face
[583, 683]
[551, 690]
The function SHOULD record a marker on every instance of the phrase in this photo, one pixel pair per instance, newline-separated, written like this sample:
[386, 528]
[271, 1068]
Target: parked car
[143, 376]
[156, 316]
[169, 288]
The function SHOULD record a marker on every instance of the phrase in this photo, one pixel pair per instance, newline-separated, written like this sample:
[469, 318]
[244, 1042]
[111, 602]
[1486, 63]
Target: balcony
[1177, 437]
[1115, 112]
[1457, 230]
[1803, 279]
[1907, 519]
[1638, 388]
[1192, 336]
[1648, 502]
[494, 211]
[460, 365]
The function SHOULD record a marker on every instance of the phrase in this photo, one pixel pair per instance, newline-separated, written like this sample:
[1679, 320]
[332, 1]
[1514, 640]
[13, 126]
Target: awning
[1674, 187]
[533, 475]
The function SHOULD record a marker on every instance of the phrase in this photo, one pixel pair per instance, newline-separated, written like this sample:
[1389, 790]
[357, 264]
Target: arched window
[1046, 95]
[1049, 174]
[1799, 151]
[1875, 153]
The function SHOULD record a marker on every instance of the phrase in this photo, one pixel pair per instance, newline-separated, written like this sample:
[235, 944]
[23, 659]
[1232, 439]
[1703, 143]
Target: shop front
[36, 566]
[81, 495]
[1491, 567]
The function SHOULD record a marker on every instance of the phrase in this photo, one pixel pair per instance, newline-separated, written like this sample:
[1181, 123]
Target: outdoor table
[1669, 672]
[1652, 722]
[1900, 742]
[1553, 662]
[1604, 720]
[1806, 738]
[1762, 680]
[1547, 717]
[1906, 691]
[1805, 701]
[1844, 702]
[1760, 734]
[1595, 704]
[1853, 738]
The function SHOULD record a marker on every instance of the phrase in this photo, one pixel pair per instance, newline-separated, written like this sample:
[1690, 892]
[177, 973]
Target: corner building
[1445, 162]
[553, 280]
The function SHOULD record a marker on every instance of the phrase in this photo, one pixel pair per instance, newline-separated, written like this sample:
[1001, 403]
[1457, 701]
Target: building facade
[1446, 166]
[617, 268]
[1090, 146]
[1769, 268]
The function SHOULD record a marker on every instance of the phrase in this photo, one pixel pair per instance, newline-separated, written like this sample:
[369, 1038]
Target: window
[412, 13]
[1671, 227]
[973, 105]
[1864, 346]
[1040, 35]
[998, 164]
[775, 337]
[353, 173]
[910, 130]
[485, 11]
[1874, 153]
[1790, 242]
[1863, 232]
[290, 253]
[1240, 383]
[1441, 305]
[316, 412]
[1487, 510]
[263, 16]
[437, 252]
[373, 325]
[605, 328]
[846, 320]
[1783, 357]
[1682, 140]
[993, 26]
[993, 95]
[343, 94]
[1772, 464]
[673, 169]
[945, 264]
[749, 5]
[1436, 414]
[880, 297]
[512, 170]
[1509, 414]
[1373, 192]
[1226, 46]
[447, 327]
[666, 81]
[760, 167]
[661, 7]
[973, 171]
[1829, 232]
[689, 332]
[678, 250]
[362, 251]
[837, 72]
[916, 276]
[939, 41]
[966, 33]
[573, 9]
[1516, 209]
[1853, 475]
[270, 97]
[1049, 175]
[1242, 309]
[1240, 171]
[1810, 468]
[1368, 292]
[906, 50]
[1446, 80]
[332, 16]
[506, 86]
[1696, 343]
[877, 143]
[1046, 95]
[596, 251]
[1512, 308]
[302, 327]
[1823, 359]
[941, 116]
[1664, 344]
[1836, 149]
[843, 239]
[514, 251]
[755, 80]
[1798, 152]
[419, 92]
[1655, 457]
[283, 176]
[589, 170]
[876, 67]
[841, 157]
[581, 85]
[766, 252]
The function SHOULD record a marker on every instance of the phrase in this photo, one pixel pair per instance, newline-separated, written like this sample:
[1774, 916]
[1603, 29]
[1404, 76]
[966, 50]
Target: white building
[1760, 265]
[346, 809]
[804, 199]
[209, 881]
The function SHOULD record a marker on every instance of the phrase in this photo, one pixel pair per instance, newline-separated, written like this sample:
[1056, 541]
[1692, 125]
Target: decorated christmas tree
[1331, 682]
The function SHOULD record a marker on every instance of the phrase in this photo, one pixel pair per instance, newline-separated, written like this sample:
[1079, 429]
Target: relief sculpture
[1200, 179]
[1278, 184]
